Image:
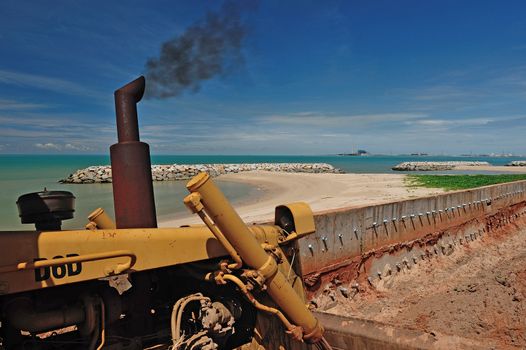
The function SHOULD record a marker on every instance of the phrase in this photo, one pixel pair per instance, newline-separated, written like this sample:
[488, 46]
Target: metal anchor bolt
[406, 263]
[324, 240]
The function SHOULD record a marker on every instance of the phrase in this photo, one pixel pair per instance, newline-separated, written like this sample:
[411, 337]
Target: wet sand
[321, 191]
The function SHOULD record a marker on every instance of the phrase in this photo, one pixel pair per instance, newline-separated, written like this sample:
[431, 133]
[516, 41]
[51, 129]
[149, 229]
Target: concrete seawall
[345, 237]
[360, 264]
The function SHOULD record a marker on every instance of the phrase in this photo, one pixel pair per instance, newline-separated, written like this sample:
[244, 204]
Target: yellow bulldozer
[126, 284]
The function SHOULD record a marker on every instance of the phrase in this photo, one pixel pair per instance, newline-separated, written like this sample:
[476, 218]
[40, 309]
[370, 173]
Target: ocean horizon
[24, 173]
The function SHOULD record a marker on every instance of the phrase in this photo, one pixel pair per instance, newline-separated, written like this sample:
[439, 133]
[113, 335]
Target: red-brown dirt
[476, 294]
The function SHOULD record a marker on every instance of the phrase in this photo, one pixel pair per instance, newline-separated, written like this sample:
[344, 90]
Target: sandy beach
[321, 191]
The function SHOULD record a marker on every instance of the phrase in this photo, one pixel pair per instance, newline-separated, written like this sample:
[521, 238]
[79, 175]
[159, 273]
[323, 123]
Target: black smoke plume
[203, 51]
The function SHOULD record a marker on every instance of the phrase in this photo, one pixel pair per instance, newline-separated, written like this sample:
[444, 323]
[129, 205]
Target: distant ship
[419, 154]
[360, 152]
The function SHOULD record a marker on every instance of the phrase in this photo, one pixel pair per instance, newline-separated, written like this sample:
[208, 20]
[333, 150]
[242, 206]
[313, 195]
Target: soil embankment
[475, 296]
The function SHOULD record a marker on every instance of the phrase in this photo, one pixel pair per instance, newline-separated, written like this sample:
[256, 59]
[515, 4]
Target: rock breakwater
[102, 174]
[435, 166]
[517, 163]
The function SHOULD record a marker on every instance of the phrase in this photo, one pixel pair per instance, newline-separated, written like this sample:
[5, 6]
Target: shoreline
[321, 191]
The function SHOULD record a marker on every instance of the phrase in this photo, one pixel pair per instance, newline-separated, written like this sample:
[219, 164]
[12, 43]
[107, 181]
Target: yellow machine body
[136, 249]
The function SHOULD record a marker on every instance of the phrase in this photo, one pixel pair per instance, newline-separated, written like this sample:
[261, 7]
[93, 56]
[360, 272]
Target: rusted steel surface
[130, 162]
[343, 237]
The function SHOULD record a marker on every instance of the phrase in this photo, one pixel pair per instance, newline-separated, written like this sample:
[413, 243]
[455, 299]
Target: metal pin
[406, 263]
[324, 240]
[340, 236]
[355, 232]
[311, 249]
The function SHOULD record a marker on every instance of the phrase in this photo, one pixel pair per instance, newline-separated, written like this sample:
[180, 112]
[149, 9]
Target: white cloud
[76, 147]
[453, 122]
[46, 83]
[48, 146]
[16, 105]
[330, 120]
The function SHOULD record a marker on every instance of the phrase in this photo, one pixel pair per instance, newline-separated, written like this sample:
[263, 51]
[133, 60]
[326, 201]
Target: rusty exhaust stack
[130, 163]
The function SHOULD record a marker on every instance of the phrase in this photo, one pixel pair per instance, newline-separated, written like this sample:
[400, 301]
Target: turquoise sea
[21, 174]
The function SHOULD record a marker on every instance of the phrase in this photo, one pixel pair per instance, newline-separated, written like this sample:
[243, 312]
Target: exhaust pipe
[130, 163]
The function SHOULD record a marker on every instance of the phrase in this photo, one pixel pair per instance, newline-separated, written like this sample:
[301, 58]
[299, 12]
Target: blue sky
[319, 77]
